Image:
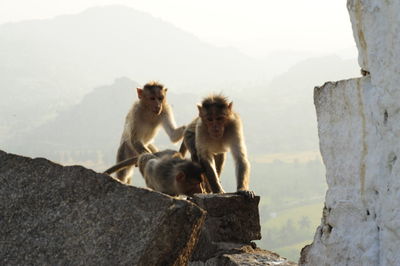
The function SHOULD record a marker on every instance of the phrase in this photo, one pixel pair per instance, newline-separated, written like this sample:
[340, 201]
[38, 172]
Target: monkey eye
[161, 98]
[152, 98]
[220, 118]
[209, 119]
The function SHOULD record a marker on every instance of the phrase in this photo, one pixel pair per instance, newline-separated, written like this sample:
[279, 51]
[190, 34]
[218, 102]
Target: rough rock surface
[230, 217]
[359, 130]
[54, 215]
[232, 223]
[234, 254]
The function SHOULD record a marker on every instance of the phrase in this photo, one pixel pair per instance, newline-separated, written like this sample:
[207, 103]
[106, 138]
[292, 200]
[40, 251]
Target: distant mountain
[278, 117]
[94, 125]
[48, 64]
[282, 114]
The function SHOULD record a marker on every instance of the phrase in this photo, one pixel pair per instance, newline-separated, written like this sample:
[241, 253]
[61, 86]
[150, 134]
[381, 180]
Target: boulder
[236, 254]
[231, 224]
[230, 217]
[55, 215]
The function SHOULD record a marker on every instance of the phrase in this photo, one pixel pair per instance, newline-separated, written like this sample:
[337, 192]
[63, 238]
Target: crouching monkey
[167, 172]
[142, 124]
[216, 130]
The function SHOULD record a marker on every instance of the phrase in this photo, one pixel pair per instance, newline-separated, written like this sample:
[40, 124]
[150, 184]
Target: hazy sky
[256, 27]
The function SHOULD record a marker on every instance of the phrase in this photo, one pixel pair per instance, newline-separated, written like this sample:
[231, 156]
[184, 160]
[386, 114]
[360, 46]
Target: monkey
[209, 136]
[167, 172]
[142, 123]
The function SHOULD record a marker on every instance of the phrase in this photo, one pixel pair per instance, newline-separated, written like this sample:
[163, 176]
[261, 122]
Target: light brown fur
[217, 130]
[142, 124]
[171, 174]
[167, 172]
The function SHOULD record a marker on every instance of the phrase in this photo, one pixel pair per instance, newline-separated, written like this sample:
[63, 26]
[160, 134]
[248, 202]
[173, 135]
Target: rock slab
[232, 223]
[54, 215]
[230, 218]
[234, 254]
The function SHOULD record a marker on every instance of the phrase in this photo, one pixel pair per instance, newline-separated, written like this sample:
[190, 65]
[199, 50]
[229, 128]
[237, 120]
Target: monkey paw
[181, 130]
[177, 134]
[246, 193]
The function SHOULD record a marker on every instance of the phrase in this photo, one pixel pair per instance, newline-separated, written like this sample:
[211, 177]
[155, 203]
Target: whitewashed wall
[359, 131]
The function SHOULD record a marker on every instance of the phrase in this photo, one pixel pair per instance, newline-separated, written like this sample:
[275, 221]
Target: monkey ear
[165, 90]
[200, 108]
[230, 106]
[180, 177]
[139, 92]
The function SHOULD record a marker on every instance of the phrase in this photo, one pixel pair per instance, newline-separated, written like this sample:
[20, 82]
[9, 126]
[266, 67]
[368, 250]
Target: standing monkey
[142, 124]
[208, 138]
[167, 172]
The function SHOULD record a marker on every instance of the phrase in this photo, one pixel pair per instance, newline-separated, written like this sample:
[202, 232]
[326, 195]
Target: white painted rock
[359, 131]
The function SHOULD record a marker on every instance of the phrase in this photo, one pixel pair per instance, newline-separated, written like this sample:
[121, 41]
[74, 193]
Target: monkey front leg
[168, 122]
[211, 176]
[219, 162]
[242, 169]
[189, 142]
[177, 134]
[243, 175]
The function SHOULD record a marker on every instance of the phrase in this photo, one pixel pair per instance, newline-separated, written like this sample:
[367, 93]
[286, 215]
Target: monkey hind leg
[125, 152]
[125, 175]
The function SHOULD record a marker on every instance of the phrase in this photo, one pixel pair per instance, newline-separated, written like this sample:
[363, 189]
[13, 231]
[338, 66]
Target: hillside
[46, 65]
[90, 128]
[278, 118]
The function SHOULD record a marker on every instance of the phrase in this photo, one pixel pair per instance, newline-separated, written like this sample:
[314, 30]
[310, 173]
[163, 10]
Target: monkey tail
[122, 165]
[183, 149]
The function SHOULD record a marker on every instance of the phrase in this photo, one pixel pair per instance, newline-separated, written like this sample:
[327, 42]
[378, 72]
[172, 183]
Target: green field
[288, 231]
[313, 211]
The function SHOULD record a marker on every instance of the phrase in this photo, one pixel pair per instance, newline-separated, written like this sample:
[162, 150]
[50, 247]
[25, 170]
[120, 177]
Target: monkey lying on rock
[167, 172]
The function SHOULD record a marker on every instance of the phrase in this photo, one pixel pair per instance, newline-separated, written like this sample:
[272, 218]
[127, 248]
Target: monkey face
[154, 100]
[215, 125]
[190, 184]
[215, 116]
[189, 188]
